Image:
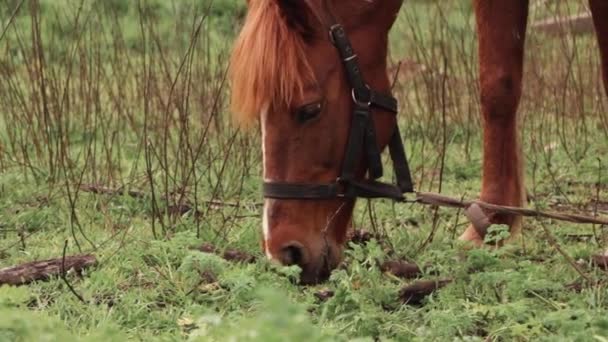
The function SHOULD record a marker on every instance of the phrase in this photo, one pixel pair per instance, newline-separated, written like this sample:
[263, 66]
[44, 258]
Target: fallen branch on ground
[401, 269]
[43, 270]
[103, 190]
[414, 293]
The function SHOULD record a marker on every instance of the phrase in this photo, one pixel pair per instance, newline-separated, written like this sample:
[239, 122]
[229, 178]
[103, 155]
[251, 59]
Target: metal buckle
[343, 186]
[367, 103]
[350, 58]
[331, 33]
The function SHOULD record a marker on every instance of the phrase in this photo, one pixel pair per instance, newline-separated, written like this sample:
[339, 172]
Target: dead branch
[43, 270]
[103, 190]
[414, 293]
[401, 269]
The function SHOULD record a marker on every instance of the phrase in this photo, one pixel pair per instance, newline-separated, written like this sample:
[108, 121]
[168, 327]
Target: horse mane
[268, 66]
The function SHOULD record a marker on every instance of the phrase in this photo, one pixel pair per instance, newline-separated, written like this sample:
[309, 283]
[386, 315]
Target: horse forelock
[268, 66]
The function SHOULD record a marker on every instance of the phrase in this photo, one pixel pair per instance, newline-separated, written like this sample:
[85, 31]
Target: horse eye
[308, 112]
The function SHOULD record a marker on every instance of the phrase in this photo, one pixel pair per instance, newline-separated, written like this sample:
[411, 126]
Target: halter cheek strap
[362, 143]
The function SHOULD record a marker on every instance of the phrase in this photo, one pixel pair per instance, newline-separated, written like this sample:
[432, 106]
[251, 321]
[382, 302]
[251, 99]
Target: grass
[135, 119]
[146, 288]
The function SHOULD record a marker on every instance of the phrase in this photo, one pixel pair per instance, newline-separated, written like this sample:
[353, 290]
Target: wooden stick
[401, 269]
[43, 270]
[414, 293]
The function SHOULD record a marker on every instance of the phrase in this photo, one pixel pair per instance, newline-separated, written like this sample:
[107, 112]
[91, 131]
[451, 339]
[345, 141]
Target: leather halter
[361, 143]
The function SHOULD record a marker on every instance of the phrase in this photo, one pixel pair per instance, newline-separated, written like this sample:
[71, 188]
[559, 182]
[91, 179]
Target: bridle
[361, 143]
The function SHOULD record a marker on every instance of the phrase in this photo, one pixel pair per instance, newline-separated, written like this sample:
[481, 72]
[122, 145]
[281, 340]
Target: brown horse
[287, 74]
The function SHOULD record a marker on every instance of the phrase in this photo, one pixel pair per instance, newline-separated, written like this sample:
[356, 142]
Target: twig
[456, 223]
[11, 19]
[597, 201]
[103, 190]
[444, 146]
[20, 241]
[553, 242]
[63, 275]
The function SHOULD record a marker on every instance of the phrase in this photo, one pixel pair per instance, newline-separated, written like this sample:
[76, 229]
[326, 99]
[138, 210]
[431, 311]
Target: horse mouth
[321, 271]
[315, 276]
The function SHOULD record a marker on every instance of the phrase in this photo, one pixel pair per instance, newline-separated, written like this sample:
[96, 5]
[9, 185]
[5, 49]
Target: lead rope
[475, 211]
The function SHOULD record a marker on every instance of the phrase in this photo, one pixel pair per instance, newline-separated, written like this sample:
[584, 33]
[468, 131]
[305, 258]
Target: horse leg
[599, 10]
[501, 30]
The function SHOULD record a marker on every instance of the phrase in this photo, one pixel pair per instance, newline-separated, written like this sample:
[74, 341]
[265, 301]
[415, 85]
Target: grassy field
[132, 96]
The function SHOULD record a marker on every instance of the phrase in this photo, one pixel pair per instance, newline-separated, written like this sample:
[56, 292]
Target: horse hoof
[472, 236]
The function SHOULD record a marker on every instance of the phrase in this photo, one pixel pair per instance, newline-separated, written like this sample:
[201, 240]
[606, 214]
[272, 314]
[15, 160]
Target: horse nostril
[292, 254]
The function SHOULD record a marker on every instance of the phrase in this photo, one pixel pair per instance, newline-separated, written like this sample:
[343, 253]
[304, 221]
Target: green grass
[150, 284]
[152, 289]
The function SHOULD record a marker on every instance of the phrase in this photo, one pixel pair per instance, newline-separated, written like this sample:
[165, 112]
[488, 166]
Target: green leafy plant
[496, 234]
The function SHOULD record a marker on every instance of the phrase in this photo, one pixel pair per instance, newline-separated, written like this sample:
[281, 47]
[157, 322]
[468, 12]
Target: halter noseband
[362, 139]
